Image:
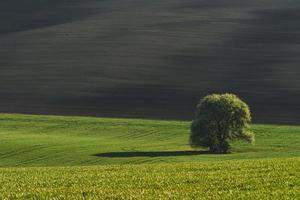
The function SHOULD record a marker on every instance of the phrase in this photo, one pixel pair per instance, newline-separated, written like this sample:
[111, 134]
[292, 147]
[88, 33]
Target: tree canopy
[220, 118]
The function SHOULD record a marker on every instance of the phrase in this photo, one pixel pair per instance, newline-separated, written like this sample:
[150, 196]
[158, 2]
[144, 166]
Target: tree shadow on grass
[150, 154]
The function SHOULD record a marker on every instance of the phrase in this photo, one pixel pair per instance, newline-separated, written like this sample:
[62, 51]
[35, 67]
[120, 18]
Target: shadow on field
[150, 154]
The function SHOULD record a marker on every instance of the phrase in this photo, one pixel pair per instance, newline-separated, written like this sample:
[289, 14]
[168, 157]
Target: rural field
[239, 179]
[56, 157]
[149, 99]
[149, 59]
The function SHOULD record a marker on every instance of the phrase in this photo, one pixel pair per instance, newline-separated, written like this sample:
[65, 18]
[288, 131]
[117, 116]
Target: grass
[244, 179]
[55, 157]
[32, 140]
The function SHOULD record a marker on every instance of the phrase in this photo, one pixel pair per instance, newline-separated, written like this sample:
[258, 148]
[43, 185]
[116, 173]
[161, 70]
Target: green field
[249, 179]
[83, 157]
[29, 140]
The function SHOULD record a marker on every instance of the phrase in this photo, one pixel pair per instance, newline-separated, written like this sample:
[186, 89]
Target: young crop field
[55, 157]
[246, 179]
[32, 140]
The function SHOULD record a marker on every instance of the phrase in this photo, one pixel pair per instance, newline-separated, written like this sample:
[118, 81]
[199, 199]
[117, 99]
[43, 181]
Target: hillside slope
[29, 140]
[149, 58]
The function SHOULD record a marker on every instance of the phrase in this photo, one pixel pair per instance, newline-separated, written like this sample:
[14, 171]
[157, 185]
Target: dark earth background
[149, 58]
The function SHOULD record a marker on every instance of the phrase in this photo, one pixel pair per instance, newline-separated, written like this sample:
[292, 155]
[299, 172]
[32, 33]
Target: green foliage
[219, 119]
[243, 179]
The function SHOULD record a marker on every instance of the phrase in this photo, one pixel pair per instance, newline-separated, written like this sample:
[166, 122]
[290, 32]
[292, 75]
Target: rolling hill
[52, 141]
[56, 157]
[151, 59]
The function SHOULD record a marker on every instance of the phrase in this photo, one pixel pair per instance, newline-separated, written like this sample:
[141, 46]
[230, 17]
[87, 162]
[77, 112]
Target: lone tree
[220, 118]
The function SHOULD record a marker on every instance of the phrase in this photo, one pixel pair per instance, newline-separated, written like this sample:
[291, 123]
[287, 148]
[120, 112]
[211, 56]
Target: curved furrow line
[21, 151]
